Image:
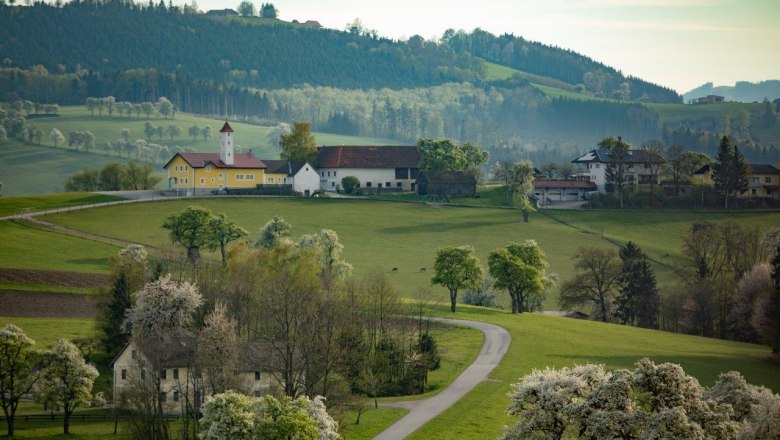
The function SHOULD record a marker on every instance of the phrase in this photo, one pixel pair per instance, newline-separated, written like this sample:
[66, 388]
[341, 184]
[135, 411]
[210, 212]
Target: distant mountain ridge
[742, 91]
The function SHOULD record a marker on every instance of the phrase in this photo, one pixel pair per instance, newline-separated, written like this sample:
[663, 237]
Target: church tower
[226, 151]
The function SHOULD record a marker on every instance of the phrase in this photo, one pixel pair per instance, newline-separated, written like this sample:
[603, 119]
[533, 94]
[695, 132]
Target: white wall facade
[636, 173]
[306, 179]
[330, 178]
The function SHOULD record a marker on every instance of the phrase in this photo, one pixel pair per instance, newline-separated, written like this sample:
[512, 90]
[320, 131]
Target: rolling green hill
[34, 169]
[383, 235]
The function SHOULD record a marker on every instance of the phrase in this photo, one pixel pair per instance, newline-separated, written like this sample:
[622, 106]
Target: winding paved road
[422, 411]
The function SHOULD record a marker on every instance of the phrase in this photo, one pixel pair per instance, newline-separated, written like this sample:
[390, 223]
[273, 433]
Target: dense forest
[564, 65]
[251, 52]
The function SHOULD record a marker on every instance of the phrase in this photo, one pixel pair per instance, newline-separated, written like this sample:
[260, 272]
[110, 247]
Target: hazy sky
[677, 43]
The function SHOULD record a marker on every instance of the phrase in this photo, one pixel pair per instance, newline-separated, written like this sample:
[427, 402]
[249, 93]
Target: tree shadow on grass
[446, 226]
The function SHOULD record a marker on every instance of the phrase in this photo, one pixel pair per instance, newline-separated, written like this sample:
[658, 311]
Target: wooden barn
[446, 184]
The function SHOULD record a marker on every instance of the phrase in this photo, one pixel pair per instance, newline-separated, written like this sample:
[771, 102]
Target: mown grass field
[24, 247]
[19, 205]
[376, 235]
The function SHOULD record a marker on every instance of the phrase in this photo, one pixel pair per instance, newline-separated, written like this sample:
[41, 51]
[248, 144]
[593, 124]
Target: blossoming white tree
[66, 381]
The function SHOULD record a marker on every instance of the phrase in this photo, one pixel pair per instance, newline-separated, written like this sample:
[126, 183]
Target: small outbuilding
[446, 184]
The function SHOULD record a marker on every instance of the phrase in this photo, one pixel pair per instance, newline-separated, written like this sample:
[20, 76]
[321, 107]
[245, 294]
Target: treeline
[564, 65]
[179, 40]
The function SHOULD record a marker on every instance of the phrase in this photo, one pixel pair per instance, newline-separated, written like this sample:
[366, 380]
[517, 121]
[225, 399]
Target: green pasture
[376, 235]
[19, 205]
[25, 247]
[109, 129]
[47, 288]
[539, 341]
[47, 331]
[35, 169]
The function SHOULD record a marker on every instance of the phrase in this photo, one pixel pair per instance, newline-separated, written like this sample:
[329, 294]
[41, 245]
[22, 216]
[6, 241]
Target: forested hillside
[743, 91]
[549, 106]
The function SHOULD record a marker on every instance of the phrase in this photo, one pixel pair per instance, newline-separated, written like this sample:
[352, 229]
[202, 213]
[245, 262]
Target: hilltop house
[301, 175]
[374, 166]
[175, 359]
[203, 173]
[643, 167]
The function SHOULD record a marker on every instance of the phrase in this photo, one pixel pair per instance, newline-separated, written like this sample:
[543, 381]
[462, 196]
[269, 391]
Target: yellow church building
[203, 173]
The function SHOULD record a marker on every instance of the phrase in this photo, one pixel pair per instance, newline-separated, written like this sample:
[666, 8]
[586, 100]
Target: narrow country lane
[422, 411]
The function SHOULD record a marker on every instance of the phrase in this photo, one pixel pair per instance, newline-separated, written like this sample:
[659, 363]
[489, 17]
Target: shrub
[349, 183]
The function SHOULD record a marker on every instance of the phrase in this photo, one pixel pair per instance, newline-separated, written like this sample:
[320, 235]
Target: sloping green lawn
[539, 341]
[19, 205]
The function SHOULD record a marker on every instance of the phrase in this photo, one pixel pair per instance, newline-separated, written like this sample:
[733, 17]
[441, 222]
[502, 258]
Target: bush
[349, 183]
[484, 295]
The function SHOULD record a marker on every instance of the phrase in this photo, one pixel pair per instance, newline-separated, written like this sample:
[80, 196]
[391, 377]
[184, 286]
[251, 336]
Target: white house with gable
[642, 167]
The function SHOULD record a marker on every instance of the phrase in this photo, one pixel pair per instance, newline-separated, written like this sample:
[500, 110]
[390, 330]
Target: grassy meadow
[19, 205]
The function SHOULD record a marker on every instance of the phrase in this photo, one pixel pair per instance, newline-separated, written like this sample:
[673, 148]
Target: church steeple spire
[226, 150]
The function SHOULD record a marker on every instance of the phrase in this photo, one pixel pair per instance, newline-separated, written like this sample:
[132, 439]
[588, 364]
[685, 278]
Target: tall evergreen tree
[638, 302]
[730, 170]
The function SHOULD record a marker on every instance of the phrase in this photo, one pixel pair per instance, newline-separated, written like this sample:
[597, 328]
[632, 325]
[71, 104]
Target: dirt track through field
[20, 303]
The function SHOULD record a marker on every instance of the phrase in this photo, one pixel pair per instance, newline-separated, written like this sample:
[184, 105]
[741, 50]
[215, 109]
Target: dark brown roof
[389, 156]
[763, 168]
[178, 352]
[226, 128]
[564, 184]
[312, 23]
[200, 160]
[283, 167]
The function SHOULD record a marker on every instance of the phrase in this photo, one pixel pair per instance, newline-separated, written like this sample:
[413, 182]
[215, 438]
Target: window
[134, 354]
[767, 179]
[270, 180]
[756, 180]
[163, 396]
[239, 177]
[597, 165]
[175, 396]
[175, 373]
[399, 184]
[257, 375]
[379, 185]
[402, 173]
[387, 184]
[323, 174]
[164, 374]
[202, 180]
[285, 180]
[221, 176]
[753, 191]
[124, 374]
[328, 173]
[332, 184]
[368, 184]
[209, 167]
[647, 165]
[250, 177]
[334, 174]
[212, 180]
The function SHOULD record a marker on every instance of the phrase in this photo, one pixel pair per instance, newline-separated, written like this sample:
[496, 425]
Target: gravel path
[422, 411]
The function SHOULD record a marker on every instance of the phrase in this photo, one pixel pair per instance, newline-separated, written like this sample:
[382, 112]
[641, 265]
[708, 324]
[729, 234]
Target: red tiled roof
[226, 128]
[564, 184]
[390, 156]
[200, 160]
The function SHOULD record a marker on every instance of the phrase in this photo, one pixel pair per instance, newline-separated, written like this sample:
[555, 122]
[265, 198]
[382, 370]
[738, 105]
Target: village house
[548, 192]
[379, 167]
[204, 173]
[709, 99]
[176, 357]
[301, 175]
[763, 179]
[643, 167]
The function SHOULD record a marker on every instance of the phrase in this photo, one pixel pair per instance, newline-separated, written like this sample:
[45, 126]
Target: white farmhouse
[301, 175]
[642, 167]
[374, 166]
